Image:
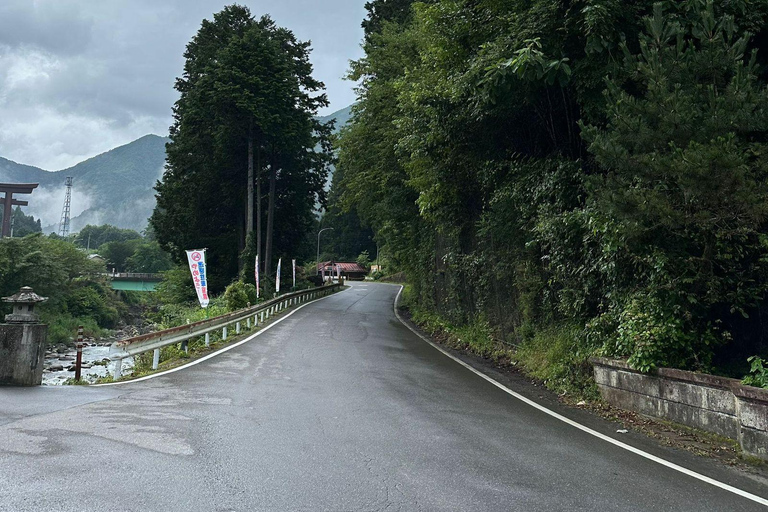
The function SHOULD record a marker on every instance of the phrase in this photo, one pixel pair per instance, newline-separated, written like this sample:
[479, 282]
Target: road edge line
[583, 428]
[213, 354]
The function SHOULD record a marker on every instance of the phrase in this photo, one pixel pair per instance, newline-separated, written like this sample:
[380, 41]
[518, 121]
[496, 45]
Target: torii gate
[9, 202]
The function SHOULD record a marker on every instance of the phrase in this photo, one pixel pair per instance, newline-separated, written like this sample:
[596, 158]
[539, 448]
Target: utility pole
[318, 243]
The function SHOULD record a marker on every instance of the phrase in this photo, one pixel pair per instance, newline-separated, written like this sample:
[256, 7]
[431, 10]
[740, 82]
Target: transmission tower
[64, 224]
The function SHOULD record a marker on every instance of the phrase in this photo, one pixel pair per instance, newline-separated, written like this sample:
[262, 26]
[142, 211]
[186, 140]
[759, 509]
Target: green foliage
[96, 236]
[559, 356]
[93, 300]
[239, 295]
[758, 373]
[686, 185]
[22, 225]
[62, 327]
[600, 167]
[118, 253]
[176, 287]
[150, 258]
[77, 293]
[48, 265]
[174, 314]
[364, 260]
[652, 333]
[245, 79]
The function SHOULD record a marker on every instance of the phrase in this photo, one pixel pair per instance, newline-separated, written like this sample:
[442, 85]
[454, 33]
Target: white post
[262, 317]
[224, 334]
[207, 339]
[248, 323]
[118, 369]
[237, 328]
[155, 359]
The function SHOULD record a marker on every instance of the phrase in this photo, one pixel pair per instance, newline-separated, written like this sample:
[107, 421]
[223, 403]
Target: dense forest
[586, 175]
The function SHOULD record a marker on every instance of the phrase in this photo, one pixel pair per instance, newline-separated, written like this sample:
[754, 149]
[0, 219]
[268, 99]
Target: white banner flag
[257, 276]
[196, 259]
[277, 279]
[293, 263]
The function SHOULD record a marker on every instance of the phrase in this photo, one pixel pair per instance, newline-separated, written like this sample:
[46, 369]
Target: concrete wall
[715, 404]
[22, 349]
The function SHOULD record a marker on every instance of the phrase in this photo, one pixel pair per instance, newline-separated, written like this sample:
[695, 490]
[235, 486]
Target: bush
[93, 301]
[758, 373]
[652, 333]
[176, 287]
[239, 295]
[559, 356]
[62, 328]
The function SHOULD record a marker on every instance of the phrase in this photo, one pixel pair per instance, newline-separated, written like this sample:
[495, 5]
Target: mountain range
[116, 187]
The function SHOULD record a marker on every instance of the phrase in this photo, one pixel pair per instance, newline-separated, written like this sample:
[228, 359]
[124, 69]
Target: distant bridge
[135, 282]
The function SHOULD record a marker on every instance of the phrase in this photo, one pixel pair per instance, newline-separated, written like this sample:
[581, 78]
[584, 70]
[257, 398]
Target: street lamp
[318, 244]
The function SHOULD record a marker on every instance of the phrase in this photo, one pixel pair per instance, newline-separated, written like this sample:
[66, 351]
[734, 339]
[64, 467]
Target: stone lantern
[22, 341]
[24, 307]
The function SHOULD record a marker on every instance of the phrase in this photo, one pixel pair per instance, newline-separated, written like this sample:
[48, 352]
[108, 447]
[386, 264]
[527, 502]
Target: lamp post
[318, 244]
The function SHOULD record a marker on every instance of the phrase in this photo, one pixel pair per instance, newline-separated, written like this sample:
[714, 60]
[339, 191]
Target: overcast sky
[80, 77]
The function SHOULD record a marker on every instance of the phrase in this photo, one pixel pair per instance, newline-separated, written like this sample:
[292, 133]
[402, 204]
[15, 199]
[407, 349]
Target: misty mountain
[115, 187]
[342, 117]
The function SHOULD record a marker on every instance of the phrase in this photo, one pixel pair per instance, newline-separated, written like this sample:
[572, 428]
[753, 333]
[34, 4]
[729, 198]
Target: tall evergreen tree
[245, 113]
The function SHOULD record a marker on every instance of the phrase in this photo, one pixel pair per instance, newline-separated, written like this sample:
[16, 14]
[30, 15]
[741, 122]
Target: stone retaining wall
[715, 404]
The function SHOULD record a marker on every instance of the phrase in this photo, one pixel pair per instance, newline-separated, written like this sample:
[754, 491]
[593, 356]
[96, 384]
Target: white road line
[637, 451]
[218, 352]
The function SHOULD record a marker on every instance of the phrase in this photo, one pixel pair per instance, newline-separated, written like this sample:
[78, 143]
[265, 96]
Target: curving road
[338, 407]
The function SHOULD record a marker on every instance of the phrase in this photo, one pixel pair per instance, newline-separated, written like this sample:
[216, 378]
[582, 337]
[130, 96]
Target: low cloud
[78, 78]
[47, 203]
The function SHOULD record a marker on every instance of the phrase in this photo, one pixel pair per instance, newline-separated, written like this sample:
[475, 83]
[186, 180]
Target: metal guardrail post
[156, 359]
[207, 339]
[237, 328]
[224, 334]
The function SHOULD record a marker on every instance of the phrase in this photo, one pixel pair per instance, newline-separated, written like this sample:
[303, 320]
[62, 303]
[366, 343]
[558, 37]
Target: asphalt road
[339, 407]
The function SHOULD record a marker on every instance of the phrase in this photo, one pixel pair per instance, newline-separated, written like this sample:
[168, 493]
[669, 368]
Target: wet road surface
[339, 407]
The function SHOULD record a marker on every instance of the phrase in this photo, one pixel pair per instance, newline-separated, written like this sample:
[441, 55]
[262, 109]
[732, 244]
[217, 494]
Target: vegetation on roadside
[78, 292]
[575, 181]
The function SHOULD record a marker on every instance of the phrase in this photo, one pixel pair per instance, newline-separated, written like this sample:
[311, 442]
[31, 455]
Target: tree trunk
[270, 212]
[249, 213]
[259, 221]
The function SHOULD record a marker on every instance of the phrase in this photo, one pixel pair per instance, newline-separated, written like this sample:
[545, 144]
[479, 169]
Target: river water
[95, 364]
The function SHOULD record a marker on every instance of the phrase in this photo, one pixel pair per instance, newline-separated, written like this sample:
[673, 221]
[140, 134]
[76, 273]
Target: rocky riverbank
[60, 359]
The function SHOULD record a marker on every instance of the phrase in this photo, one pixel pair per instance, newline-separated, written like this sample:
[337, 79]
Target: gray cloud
[78, 77]
[60, 27]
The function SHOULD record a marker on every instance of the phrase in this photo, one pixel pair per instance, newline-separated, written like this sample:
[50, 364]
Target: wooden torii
[9, 202]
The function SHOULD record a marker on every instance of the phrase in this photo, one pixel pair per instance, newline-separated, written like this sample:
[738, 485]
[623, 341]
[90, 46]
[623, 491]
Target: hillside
[114, 187]
[342, 117]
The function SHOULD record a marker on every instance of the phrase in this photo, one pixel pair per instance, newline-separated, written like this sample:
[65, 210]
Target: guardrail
[155, 341]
